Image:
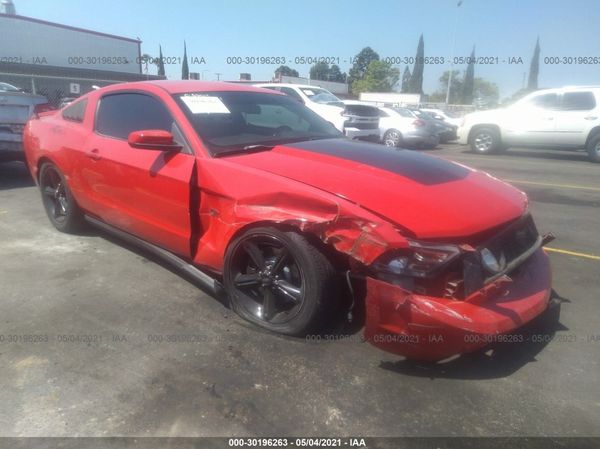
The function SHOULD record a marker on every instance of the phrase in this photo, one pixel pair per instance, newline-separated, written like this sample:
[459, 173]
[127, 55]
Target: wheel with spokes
[485, 140]
[61, 208]
[392, 138]
[279, 281]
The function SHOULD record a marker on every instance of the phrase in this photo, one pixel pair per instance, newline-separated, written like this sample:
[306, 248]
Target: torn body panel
[434, 328]
[349, 228]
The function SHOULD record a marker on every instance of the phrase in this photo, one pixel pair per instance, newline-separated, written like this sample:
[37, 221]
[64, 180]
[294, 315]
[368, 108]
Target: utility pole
[218, 76]
[452, 52]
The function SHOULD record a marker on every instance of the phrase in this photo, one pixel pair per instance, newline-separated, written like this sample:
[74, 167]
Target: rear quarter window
[76, 111]
[578, 101]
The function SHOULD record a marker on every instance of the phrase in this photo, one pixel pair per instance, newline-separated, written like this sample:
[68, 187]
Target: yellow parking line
[3, 212]
[547, 184]
[572, 253]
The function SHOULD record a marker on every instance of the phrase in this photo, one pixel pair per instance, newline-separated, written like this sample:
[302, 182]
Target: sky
[215, 30]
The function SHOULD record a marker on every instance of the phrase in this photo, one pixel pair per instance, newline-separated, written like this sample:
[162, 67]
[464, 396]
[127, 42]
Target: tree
[534, 69]
[160, 63]
[284, 70]
[145, 60]
[320, 71]
[485, 92]
[380, 76]
[469, 81]
[335, 74]
[416, 80]
[405, 80]
[361, 62]
[185, 70]
[456, 88]
[482, 90]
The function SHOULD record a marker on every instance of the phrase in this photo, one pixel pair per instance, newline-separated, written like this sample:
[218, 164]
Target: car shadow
[556, 155]
[494, 361]
[14, 175]
[148, 256]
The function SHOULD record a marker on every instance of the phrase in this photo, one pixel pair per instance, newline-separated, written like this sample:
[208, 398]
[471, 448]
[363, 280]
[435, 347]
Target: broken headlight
[418, 260]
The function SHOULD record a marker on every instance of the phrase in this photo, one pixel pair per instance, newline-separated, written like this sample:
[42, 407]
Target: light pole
[202, 73]
[452, 52]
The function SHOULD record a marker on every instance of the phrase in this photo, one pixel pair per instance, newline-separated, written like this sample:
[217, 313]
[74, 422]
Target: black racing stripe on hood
[410, 164]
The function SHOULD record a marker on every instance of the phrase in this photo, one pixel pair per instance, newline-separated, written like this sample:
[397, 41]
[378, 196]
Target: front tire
[60, 206]
[593, 148]
[485, 140]
[279, 281]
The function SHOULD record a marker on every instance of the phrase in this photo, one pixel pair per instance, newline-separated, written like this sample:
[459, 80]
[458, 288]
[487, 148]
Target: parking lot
[98, 339]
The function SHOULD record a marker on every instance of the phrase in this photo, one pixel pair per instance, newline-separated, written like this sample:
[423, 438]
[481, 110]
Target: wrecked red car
[247, 190]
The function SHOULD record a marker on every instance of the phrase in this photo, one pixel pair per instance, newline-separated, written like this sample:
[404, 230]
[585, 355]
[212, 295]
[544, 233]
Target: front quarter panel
[234, 197]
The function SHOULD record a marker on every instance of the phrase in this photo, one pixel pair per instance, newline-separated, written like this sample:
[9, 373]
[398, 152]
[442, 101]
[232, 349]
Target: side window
[382, 113]
[120, 114]
[292, 93]
[578, 101]
[76, 111]
[545, 101]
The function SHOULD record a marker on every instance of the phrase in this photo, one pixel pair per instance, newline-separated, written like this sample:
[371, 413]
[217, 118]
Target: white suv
[562, 118]
[356, 121]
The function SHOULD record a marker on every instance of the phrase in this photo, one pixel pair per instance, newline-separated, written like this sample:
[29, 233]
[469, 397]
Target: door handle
[591, 117]
[94, 154]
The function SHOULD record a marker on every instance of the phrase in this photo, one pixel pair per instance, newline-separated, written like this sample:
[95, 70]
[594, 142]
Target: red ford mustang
[248, 190]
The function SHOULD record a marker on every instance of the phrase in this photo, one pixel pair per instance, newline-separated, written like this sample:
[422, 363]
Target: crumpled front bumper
[431, 328]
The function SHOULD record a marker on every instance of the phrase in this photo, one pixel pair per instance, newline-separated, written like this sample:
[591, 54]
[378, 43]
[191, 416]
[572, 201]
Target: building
[60, 61]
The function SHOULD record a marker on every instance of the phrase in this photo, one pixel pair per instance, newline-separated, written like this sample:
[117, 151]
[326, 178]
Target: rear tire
[593, 148]
[392, 138]
[485, 140]
[60, 206]
[280, 281]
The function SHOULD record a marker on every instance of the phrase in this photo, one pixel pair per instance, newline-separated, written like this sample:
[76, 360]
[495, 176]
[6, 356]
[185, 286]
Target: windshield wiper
[246, 149]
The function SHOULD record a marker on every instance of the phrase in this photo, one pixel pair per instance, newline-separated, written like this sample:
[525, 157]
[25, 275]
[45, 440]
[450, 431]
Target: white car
[562, 118]
[401, 127]
[356, 121]
[447, 117]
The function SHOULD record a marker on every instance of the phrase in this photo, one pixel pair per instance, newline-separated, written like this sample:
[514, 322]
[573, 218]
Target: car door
[143, 192]
[577, 114]
[531, 121]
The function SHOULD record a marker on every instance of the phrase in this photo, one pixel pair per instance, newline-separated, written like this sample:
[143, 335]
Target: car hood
[429, 196]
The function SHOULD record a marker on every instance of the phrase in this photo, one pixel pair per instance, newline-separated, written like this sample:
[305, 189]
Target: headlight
[419, 260]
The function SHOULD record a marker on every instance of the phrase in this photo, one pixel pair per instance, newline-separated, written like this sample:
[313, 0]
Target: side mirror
[153, 139]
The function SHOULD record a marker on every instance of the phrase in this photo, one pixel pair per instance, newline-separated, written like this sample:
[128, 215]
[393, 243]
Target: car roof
[183, 86]
[565, 89]
[303, 86]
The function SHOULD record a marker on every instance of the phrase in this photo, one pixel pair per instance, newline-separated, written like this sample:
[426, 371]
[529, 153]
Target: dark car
[446, 131]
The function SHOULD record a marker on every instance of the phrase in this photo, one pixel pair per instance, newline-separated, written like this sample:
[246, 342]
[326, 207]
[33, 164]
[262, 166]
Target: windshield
[238, 121]
[319, 95]
[8, 88]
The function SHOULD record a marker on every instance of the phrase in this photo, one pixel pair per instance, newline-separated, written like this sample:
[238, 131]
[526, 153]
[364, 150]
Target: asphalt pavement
[99, 339]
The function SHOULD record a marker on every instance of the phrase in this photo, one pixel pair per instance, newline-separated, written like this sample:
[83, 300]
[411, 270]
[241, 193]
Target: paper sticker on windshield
[204, 104]
[309, 92]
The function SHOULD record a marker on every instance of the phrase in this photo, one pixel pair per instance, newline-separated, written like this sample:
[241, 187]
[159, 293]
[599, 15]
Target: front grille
[514, 241]
[507, 247]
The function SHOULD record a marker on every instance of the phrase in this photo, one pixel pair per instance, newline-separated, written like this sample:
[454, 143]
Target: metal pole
[452, 53]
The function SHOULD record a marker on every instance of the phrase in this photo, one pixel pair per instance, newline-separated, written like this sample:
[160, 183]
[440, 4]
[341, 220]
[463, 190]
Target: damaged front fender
[345, 226]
